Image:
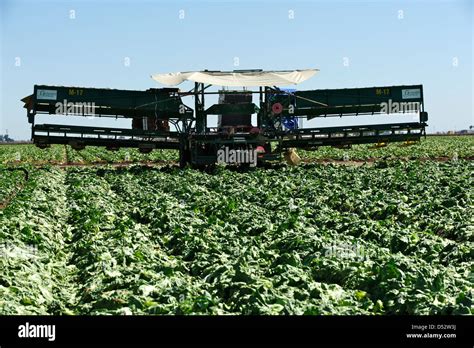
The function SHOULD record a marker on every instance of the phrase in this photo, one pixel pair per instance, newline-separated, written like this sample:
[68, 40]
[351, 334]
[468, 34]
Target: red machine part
[277, 108]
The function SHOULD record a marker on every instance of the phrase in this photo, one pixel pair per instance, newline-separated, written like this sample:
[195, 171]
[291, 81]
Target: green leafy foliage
[93, 154]
[63, 154]
[29, 153]
[314, 239]
[428, 148]
[10, 183]
[432, 147]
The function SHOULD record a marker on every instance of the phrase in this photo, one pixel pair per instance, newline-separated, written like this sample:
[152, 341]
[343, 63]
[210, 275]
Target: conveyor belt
[100, 136]
[333, 136]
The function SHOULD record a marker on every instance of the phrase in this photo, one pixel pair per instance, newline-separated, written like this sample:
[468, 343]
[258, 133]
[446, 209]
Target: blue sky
[385, 43]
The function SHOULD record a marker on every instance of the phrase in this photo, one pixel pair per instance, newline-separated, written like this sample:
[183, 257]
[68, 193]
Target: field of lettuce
[429, 148]
[390, 236]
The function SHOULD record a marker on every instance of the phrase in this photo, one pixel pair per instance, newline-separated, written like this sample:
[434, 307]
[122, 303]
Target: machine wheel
[184, 157]
[43, 145]
[77, 145]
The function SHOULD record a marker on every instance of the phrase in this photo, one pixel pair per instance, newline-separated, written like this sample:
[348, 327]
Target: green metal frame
[198, 144]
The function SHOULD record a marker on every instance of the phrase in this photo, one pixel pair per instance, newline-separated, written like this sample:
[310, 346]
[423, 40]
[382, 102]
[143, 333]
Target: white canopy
[243, 78]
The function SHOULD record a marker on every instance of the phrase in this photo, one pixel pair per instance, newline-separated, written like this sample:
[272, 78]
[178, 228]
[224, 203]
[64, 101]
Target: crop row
[60, 154]
[307, 240]
[429, 148]
[36, 273]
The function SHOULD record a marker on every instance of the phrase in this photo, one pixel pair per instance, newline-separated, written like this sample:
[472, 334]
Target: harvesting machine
[161, 120]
